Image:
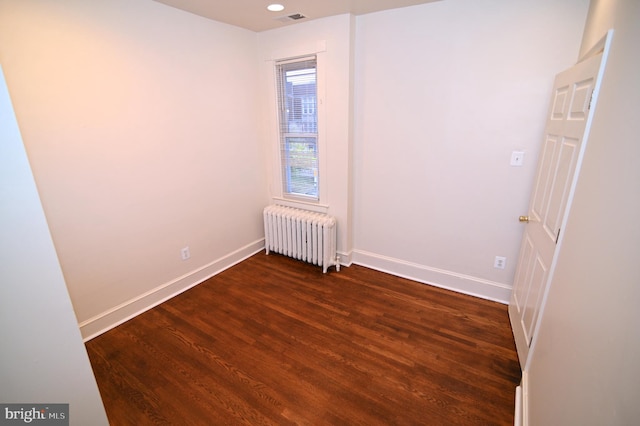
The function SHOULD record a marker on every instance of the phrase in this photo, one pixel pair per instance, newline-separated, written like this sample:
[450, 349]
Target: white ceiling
[253, 14]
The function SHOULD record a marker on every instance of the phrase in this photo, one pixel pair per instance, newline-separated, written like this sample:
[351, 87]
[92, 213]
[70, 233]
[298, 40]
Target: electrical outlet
[517, 158]
[500, 262]
[184, 253]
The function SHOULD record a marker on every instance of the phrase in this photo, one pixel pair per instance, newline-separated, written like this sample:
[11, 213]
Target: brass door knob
[524, 219]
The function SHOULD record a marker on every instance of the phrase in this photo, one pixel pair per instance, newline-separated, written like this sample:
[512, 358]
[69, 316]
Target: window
[297, 105]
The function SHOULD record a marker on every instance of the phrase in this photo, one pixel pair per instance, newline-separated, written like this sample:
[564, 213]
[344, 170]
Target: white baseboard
[523, 404]
[115, 316]
[440, 278]
[517, 412]
[460, 283]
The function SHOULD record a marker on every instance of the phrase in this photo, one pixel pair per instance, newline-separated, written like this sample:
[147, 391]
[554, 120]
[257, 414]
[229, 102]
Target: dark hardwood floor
[273, 341]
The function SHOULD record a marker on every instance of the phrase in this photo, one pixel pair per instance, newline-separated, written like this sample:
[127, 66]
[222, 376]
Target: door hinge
[558, 235]
[590, 100]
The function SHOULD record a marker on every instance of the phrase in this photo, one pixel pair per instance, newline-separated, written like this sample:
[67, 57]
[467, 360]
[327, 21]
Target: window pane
[301, 166]
[300, 95]
[297, 96]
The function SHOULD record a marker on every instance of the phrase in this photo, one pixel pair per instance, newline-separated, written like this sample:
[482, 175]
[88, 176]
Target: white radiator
[301, 234]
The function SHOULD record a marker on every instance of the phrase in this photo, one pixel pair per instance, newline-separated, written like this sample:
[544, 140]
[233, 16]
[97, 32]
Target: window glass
[297, 99]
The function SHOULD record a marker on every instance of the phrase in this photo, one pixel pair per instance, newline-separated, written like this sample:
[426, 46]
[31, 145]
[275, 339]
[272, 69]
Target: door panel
[558, 167]
[545, 175]
[581, 98]
[530, 312]
[559, 191]
[559, 103]
[525, 263]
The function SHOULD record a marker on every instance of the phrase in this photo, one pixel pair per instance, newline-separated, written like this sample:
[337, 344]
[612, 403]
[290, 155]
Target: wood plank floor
[273, 341]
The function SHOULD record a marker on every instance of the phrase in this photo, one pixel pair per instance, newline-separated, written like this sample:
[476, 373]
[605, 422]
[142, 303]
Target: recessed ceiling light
[275, 7]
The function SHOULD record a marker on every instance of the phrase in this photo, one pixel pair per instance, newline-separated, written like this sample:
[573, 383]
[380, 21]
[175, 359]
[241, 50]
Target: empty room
[474, 163]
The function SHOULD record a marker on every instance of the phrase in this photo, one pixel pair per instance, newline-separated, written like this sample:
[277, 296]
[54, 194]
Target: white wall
[43, 359]
[444, 93]
[584, 365]
[333, 36]
[140, 124]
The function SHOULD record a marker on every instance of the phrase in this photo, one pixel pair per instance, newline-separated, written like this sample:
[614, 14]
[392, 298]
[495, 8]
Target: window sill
[300, 204]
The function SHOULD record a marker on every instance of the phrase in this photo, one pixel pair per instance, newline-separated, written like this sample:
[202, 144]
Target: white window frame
[277, 185]
[294, 129]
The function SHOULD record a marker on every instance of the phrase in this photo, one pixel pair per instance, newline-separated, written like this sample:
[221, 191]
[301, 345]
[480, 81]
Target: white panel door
[569, 115]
